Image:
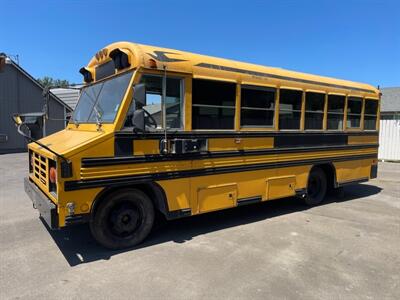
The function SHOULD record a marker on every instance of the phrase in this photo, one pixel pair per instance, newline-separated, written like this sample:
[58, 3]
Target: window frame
[376, 115]
[344, 112]
[182, 79]
[234, 107]
[358, 98]
[324, 112]
[258, 88]
[301, 122]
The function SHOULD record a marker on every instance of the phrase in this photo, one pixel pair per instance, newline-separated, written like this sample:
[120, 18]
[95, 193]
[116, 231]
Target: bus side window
[314, 111]
[213, 104]
[289, 109]
[335, 112]
[370, 114]
[257, 106]
[354, 106]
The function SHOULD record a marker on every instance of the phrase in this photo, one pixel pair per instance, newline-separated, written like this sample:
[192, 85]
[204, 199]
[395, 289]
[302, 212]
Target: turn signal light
[87, 75]
[120, 58]
[53, 175]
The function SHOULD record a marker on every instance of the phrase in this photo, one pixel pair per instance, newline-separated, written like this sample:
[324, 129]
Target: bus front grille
[40, 168]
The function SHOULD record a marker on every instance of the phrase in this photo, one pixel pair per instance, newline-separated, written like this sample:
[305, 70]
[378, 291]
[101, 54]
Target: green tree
[47, 81]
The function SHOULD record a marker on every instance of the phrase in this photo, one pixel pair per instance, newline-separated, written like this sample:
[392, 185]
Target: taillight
[53, 175]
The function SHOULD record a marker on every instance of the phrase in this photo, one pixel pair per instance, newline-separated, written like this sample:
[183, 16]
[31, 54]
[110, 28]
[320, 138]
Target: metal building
[69, 96]
[389, 135]
[21, 93]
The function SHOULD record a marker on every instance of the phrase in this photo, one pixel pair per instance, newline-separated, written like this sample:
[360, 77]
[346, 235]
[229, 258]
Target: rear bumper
[46, 208]
[374, 171]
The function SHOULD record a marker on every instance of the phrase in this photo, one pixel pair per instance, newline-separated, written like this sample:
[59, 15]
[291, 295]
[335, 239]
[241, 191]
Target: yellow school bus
[164, 130]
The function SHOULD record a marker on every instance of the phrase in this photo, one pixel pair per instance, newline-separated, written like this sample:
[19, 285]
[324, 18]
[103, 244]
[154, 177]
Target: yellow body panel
[178, 198]
[247, 184]
[359, 140]
[83, 200]
[145, 147]
[69, 141]
[351, 170]
[216, 197]
[278, 187]
[225, 144]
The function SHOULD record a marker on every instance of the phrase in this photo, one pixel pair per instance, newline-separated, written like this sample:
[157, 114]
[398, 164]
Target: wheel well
[330, 174]
[151, 189]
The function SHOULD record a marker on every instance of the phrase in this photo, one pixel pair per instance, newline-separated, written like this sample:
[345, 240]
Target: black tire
[316, 187]
[124, 219]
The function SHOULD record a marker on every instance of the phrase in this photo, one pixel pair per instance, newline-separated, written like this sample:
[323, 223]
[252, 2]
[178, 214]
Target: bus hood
[68, 142]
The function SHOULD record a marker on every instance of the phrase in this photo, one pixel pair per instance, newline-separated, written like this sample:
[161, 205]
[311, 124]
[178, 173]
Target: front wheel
[123, 220]
[316, 187]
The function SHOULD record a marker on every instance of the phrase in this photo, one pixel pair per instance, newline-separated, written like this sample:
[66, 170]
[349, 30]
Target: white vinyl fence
[389, 139]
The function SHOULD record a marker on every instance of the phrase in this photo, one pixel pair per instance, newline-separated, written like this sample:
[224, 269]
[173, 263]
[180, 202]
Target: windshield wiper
[98, 115]
[73, 121]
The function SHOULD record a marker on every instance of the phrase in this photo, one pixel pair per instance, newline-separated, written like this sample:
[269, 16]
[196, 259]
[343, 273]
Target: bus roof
[213, 68]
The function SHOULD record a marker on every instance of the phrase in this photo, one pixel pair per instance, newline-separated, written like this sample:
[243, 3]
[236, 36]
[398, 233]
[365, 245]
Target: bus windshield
[99, 102]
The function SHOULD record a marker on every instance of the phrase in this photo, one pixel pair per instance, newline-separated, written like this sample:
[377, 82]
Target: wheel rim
[314, 186]
[125, 219]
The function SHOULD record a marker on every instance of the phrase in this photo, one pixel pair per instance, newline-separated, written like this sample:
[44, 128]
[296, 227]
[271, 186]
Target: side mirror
[17, 119]
[139, 95]
[138, 120]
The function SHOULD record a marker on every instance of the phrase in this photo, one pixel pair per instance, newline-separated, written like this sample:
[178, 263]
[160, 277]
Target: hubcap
[125, 220]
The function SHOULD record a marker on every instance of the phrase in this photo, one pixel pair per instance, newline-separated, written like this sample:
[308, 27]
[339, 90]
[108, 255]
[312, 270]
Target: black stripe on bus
[307, 140]
[134, 179]
[122, 147]
[234, 134]
[108, 161]
[124, 140]
[269, 75]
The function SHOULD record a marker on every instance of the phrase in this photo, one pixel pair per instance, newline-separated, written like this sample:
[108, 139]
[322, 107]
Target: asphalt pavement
[347, 248]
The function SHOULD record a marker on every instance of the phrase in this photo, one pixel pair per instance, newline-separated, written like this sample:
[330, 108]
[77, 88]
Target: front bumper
[47, 209]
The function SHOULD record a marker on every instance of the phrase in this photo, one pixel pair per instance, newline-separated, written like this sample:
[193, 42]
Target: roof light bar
[120, 58]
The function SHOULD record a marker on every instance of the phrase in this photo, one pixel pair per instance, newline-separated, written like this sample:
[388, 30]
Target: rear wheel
[123, 220]
[316, 187]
